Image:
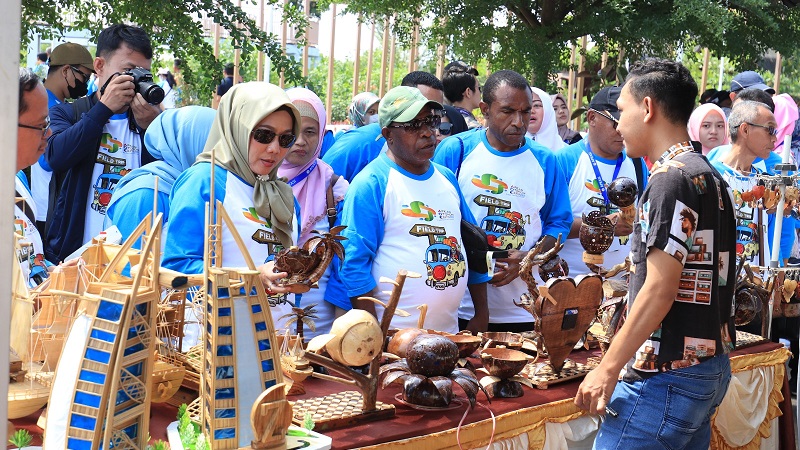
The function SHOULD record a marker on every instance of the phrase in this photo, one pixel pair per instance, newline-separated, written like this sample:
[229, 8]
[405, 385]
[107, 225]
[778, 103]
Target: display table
[759, 394]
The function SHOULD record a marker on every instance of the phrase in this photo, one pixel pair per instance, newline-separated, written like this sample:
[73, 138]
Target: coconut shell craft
[502, 365]
[554, 268]
[622, 192]
[596, 236]
[306, 265]
[429, 371]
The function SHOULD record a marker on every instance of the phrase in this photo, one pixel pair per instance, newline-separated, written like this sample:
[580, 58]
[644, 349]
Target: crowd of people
[418, 165]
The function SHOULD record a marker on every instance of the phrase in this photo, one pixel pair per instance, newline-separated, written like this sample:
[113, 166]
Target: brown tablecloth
[410, 423]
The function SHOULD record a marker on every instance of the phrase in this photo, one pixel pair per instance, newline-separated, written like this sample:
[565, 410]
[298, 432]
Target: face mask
[79, 90]
[373, 119]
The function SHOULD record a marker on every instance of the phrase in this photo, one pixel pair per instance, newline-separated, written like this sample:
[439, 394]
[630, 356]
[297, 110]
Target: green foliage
[158, 445]
[21, 438]
[188, 430]
[308, 421]
[532, 37]
[171, 24]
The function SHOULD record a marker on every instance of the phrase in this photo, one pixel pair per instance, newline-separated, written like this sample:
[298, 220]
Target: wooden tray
[745, 339]
[542, 376]
[338, 410]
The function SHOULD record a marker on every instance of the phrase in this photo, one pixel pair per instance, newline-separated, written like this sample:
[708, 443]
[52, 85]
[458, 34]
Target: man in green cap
[405, 212]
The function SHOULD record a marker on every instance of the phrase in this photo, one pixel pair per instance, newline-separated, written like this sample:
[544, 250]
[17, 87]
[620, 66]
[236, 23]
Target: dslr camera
[143, 80]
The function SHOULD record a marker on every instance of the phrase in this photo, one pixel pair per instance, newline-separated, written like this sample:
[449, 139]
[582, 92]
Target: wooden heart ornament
[564, 312]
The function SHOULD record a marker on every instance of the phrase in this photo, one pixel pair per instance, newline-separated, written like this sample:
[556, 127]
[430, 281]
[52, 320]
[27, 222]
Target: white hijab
[548, 133]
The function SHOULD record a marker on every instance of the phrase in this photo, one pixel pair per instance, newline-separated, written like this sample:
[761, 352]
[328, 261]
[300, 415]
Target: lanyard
[600, 183]
[302, 176]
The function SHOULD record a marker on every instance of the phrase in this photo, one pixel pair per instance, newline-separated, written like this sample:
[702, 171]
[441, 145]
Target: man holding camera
[98, 139]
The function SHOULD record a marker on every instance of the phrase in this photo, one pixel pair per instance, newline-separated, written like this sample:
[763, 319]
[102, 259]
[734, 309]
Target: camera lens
[152, 93]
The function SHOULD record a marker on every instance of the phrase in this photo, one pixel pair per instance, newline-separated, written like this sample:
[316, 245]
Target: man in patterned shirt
[673, 349]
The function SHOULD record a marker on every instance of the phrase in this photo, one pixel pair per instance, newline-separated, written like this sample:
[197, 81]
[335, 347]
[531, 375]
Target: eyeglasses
[77, 71]
[771, 130]
[445, 128]
[40, 128]
[431, 122]
[265, 136]
[614, 121]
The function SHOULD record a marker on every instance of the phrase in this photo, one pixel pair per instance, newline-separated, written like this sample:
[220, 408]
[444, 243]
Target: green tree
[531, 37]
[172, 24]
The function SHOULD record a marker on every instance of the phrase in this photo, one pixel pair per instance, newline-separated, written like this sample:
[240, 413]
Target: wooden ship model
[101, 397]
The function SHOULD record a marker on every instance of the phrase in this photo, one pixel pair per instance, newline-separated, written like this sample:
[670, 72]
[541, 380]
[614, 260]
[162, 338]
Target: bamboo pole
[581, 68]
[440, 61]
[284, 32]
[237, 53]
[260, 69]
[391, 61]
[329, 92]
[704, 77]
[778, 69]
[384, 57]
[371, 54]
[217, 31]
[307, 10]
[357, 64]
[412, 55]
[571, 80]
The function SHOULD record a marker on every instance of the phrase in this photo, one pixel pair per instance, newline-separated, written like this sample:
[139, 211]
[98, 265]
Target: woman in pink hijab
[310, 179]
[708, 126]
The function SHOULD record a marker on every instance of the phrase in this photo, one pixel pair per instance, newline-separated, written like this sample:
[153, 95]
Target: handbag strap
[330, 202]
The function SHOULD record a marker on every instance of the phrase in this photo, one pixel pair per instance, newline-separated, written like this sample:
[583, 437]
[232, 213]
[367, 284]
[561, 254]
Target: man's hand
[144, 112]
[119, 93]
[507, 269]
[595, 391]
[478, 324]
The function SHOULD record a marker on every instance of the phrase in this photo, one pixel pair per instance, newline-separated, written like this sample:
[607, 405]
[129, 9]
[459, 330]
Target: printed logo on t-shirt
[263, 236]
[443, 257]
[495, 185]
[113, 171]
[504, 227]
[420, 211]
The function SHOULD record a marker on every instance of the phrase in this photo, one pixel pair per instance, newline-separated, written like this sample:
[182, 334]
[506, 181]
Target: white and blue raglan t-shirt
[516, 197]
[398, 220]
[183, 250]
[120, 152]
[585, 196]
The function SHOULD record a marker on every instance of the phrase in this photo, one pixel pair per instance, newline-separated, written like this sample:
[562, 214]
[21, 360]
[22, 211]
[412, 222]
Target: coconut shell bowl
[467, 345]
[502, 338]
[503, 365]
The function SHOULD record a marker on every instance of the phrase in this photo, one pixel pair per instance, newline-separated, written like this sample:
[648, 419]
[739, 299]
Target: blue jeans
[671, 410]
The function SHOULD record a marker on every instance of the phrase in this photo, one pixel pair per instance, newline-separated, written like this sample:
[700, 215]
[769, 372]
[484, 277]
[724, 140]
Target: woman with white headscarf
[255, 126]
[316, 187]
[542, 127]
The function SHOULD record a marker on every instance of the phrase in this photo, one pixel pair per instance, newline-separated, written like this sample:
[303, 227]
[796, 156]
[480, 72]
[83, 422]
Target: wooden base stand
[338, 410]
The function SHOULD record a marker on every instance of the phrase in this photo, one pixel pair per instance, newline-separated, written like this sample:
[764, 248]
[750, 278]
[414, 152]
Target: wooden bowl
[504, 338]
[467, 344]
[503, 362]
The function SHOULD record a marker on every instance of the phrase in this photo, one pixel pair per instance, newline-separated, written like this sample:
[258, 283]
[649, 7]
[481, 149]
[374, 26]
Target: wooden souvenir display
[563, 309]
[293, 363]
[596, 235]
[306, 265]
[745, 339]
[354, 340]
[270, 418]
[111, 404]
[503, 365]
[231, 294]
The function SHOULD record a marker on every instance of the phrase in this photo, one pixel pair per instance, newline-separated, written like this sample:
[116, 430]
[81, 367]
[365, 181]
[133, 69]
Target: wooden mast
[329, 91]
[357, 63]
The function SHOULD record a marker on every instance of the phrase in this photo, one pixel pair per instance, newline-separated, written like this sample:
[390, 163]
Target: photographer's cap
[402, 104]
[606, 100]
[750, 79]
[72, 54]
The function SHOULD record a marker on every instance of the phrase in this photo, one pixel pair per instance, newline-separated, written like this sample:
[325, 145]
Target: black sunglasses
[445, 128]
[614, 121]
[265, 136]
[431, 122]
[84, 76]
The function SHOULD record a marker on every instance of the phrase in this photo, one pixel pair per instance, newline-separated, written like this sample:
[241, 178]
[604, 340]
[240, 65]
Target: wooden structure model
[110, 402]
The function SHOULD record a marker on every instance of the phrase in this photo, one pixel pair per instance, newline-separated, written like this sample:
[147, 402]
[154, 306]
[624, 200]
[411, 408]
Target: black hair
[135, 38]
[53, 69]
[228, 69]
[288, 111]
[706, 96]
[756, 95]
[177, 63]
[27, 83]
[416, 78]
[42, 56]
[668, 83]
[500, 78]
[458, 77]
[170, 79]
